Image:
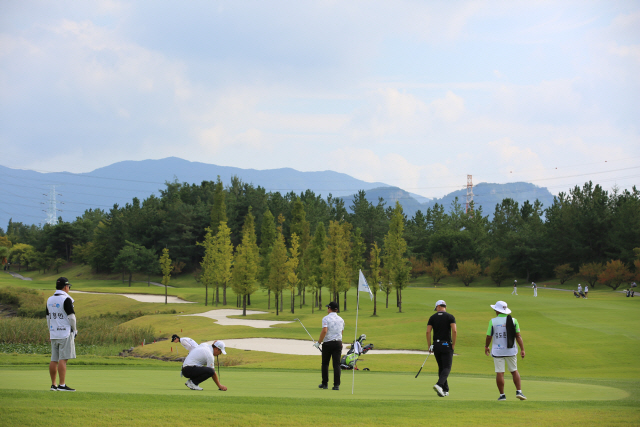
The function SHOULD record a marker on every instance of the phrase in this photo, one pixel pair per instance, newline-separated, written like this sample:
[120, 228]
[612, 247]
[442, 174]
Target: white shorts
[511, 361]
[63, 349]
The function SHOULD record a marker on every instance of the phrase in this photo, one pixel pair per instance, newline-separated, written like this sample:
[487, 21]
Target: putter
[314, 341]
[425, 361]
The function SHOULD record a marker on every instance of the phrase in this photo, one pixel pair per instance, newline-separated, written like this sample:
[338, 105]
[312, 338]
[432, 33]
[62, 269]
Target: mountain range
[25, 195]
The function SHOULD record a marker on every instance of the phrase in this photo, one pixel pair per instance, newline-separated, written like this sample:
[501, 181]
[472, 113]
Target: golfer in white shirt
[198, 366]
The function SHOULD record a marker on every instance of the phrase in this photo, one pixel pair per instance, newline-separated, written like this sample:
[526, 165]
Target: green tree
[497, 270]
[334, 266]
[278, 271]
[301, 227]
[127, 260]
[165, 267]
[292, 266]
[19, 254]
[313, 263]
[356, 259]
[268, 238]
[219, 209]
[223, 260]
[374, 276]
[208, 264]
[437, 270]
[467, 271]
[395, 249]
[245, 264]
[563, 273]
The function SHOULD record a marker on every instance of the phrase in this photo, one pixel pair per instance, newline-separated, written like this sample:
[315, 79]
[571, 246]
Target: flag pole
[355, 337]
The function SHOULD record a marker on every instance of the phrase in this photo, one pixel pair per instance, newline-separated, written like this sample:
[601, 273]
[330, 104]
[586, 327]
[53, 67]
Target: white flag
[363, 286]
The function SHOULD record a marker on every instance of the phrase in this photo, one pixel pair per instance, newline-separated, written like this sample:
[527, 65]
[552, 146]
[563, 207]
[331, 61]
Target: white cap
[501, 307]
[440, 302]
[220, 345]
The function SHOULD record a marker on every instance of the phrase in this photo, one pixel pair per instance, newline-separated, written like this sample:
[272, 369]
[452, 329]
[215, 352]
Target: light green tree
[166, 267]
[278, 271]
[356, 259]
[395, 249]
[313, 264]
[335, 270]
[467, 271]
[268, 238]
[245, 264]
[292, 267]
[497, 270]
[223, 261]
[208, 263]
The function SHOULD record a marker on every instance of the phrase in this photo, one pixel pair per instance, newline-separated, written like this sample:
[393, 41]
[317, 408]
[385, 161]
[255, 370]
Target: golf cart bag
[349, 360]
[576, 294]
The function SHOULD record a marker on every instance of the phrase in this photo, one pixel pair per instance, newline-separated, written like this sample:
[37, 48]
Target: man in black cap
[61, 320]
[331, 339]
[186, 342]
[445, 332]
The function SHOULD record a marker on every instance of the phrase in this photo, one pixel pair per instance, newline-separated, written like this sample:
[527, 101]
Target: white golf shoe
[192, 386]
[439, 390]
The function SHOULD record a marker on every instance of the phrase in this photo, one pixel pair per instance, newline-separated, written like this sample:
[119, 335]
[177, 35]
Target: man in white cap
[504, 330]
[535, 289]
[198, 366]
[515, 288]
[443, 326]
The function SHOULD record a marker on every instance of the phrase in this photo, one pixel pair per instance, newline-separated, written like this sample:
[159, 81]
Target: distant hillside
[486, 196]
[24, 193]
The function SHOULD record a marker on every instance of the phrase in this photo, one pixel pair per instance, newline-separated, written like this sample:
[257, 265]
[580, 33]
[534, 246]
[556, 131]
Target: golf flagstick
[353, 376]
[363, 286]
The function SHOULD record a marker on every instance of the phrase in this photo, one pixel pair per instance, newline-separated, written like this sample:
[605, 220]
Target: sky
[415, 94]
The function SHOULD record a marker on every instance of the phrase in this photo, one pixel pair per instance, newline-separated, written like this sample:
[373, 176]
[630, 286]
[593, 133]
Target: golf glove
[431, 348]
[316, 345]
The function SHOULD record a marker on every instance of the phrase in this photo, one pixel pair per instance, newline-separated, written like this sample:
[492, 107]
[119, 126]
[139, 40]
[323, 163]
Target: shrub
[27, 302]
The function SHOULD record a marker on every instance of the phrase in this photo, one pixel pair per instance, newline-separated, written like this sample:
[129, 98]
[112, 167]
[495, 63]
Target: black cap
[333, 305]
[174, 337]
[62, 282]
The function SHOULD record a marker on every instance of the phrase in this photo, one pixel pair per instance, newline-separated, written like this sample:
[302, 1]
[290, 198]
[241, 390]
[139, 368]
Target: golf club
[314, 341]
[425, 361]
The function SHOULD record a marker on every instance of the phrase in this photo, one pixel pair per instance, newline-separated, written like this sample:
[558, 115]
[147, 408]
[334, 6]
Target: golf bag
[350, 359]
[576, 294]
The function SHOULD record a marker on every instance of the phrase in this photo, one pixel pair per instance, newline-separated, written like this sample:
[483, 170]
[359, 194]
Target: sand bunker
[221, 318]
[297, 347]
[144, 297]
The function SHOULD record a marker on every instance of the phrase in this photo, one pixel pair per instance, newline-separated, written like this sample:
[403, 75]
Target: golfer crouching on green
[198, 366]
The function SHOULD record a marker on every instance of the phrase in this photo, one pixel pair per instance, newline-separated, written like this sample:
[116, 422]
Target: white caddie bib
[499, 346]
[59, 327]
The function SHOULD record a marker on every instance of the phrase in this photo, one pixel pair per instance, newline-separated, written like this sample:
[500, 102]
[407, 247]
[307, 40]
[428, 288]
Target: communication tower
[52, 216]
[469, 193]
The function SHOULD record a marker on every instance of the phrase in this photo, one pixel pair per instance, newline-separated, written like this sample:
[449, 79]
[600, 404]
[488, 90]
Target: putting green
[303, 384]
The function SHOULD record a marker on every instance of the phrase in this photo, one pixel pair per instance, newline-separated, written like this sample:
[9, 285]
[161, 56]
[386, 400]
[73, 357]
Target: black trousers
[197, 374]
[444, 357]
[331, 349]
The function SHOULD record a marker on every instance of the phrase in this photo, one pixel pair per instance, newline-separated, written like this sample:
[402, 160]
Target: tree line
[242, 236]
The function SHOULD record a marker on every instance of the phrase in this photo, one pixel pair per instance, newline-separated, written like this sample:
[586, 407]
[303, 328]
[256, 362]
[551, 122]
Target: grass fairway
[581, 366]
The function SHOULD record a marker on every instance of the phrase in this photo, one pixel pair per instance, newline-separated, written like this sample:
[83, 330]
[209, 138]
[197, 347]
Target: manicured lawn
[581, 366]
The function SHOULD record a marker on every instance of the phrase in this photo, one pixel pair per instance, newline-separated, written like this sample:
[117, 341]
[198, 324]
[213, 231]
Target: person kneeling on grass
[198, 366]
[186, 342]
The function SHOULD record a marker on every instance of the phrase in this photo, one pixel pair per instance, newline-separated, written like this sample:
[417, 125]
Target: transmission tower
[52, 216]
[469, 193]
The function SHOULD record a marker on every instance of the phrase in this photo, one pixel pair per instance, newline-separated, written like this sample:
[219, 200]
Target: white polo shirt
[202, 355]
[334, 325]
[188, 343]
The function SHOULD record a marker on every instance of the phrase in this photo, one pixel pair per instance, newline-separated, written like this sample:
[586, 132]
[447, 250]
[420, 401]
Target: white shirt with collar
[188, 343]
[334, 325]
[202, 355]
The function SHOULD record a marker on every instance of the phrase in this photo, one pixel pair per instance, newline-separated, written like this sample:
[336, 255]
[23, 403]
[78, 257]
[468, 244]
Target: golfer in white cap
[503, 331]
[443, 326]
[198, 366]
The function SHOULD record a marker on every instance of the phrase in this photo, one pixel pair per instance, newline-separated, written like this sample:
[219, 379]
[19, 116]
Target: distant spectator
[535, 289]
[515, 288]
[586, 291]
